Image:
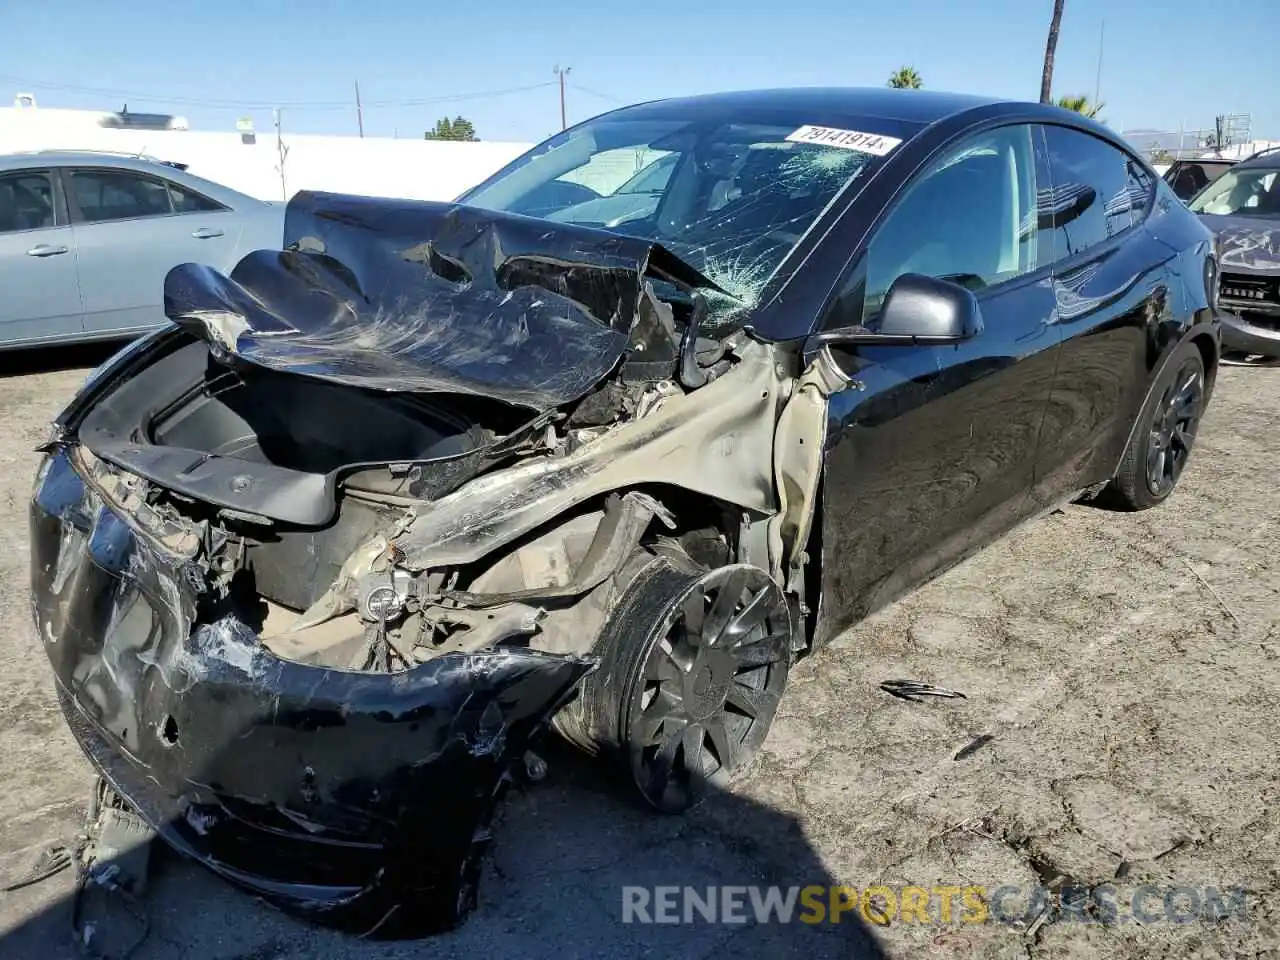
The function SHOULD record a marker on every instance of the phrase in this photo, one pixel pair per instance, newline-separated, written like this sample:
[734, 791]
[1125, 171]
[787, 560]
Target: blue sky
[1165, 62]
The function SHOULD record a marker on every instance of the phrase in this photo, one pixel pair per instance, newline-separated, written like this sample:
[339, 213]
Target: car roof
[1269, 158]
[908, 106]
[903, 112]
[124, 161]
[83, 158]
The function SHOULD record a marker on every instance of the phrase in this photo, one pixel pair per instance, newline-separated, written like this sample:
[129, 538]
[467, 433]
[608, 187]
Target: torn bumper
[359, 800]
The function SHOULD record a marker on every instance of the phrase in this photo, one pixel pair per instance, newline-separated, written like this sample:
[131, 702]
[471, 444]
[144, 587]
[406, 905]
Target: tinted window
[969, 218]
[184, 201]
[26, 201]
[1091, 198]
[1190, 177]
[118, 195]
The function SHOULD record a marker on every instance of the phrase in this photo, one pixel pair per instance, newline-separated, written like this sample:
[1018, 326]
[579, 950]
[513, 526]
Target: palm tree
[1046, 78]
[1081, 104]
[905, 78]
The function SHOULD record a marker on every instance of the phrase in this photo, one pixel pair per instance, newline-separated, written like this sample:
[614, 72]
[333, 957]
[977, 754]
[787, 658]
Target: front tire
[693, 663]
[1160, 445]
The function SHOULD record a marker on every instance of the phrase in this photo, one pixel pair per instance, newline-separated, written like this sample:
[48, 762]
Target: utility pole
[359, 111]
[564, 122]
[282, 151]
[1097, 85]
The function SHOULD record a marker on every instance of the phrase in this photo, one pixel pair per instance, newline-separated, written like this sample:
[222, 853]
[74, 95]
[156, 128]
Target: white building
[260, 163]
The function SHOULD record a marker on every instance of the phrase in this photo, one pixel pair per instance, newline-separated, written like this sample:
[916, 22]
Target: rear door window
[26, 201]
[1092, 197]
[104, 195]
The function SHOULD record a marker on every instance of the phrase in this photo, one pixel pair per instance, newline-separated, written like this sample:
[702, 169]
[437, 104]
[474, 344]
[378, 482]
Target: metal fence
[1229, 134]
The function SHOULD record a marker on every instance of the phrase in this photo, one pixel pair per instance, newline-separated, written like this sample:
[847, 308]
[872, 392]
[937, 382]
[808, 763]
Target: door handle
[45, 250]
[206, 233]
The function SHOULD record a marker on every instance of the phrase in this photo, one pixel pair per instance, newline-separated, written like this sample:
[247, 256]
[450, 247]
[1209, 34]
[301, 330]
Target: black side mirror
[918, 310]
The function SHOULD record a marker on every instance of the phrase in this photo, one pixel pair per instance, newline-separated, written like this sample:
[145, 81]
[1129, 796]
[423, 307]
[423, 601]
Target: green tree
[1081, 104]
[1050, 48]
[905, 78]
[459, 128]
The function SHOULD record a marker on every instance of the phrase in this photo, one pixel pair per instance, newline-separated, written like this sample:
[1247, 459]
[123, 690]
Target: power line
[453, 98]
[596, 93]
[233, 104]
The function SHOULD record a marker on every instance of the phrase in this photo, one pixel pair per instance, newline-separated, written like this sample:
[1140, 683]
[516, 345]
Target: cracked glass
[732, 199]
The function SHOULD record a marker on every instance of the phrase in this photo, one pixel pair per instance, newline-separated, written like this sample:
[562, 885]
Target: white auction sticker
[872, 143]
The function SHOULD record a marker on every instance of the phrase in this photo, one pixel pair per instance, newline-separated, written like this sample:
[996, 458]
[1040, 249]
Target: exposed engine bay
[359, 527]
[455, 526]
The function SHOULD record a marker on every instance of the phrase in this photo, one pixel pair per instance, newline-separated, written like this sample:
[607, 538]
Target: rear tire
[1161, 442]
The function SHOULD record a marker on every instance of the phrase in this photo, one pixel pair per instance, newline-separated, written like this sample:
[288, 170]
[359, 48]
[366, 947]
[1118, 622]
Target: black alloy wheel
[1164, 433]
[708, 689]
[693, 662]
[1173, 428]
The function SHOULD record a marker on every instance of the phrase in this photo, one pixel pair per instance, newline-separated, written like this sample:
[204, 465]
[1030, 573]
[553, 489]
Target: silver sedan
[87, 238]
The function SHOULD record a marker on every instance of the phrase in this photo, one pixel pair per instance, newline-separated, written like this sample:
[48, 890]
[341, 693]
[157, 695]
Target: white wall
[375, 166]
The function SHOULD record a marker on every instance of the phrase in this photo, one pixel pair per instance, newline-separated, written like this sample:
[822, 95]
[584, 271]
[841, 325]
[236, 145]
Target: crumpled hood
[1251, 243]
[403, 295]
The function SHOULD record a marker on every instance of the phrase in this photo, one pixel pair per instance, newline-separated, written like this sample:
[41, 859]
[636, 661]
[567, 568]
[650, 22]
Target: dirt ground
[1126, 667]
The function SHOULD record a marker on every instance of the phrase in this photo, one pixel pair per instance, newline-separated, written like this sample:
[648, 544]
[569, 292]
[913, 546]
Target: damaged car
[1242, 208]
[317, 565]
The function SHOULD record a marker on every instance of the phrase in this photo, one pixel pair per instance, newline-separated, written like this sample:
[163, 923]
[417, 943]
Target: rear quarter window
[188, 201]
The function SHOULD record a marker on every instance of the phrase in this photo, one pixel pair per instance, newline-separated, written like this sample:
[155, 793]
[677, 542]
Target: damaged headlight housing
[383, 597]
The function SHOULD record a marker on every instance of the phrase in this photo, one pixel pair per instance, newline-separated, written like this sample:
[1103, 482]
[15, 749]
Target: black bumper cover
[1251, 333]
[357, 800]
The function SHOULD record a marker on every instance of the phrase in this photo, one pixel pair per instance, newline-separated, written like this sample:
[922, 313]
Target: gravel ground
[1125, 667]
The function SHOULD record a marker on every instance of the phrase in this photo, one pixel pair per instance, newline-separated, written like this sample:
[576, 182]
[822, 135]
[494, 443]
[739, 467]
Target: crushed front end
[316, 566]
[359, 799]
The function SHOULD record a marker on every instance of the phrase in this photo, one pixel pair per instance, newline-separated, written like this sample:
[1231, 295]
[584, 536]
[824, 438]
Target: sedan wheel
[1161, 442]
[708, 687]
[1174, 428]
[693, 665]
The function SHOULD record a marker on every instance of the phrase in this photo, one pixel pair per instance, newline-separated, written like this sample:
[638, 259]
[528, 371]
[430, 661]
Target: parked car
[1188, 177]
[315, 567]
[87, 238]
[1243, 209]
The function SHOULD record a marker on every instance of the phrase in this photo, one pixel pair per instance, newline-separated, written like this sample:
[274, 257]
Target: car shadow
[553, 886]
[22, 363]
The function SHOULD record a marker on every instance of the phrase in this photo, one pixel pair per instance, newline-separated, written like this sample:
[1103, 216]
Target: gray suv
[87, 238]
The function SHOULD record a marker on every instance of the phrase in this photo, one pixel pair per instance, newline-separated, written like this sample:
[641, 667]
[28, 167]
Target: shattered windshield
[1253, 191]
[732, 199]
